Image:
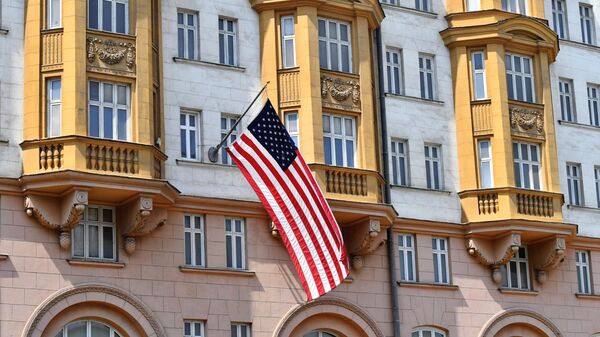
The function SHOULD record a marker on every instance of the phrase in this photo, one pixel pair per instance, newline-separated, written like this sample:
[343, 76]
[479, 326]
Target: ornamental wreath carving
[527, 120]
[110, 51]
[340, 89]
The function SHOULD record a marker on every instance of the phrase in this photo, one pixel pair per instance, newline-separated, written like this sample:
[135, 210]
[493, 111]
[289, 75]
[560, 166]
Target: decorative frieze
[110, 56]
[527, 121]
[340, 93]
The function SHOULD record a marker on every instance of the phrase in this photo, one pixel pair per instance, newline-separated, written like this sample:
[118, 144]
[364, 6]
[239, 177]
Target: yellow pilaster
[368, 132]
[32, 86]
[268, 55]
[550, 157]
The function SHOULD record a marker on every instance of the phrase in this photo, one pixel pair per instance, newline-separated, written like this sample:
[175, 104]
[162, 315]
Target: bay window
[527, 165]
[335, 48]
[519, 78]
[339, 140]
[109, 110]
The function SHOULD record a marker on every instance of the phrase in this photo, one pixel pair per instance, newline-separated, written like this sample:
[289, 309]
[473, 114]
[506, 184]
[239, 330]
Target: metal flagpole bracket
[213, 151]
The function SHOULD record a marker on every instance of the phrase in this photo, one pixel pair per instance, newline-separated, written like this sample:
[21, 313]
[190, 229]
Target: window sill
[579, 125]
[3, 31]
[509, 291]
[587, 296]
[210, 64]
[199, 163]
[217, 271]
[428, 285]
[3, 141]
[583, 208]
[421, 189]
[591, 47]
[109, 34]
[93, 263]
[410, 10]
[3, 257]
[415, 99]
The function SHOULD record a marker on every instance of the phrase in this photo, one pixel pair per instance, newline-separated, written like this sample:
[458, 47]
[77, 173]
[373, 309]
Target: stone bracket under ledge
[494, 253]
[547, 255]
[362, 238]
[138, 218]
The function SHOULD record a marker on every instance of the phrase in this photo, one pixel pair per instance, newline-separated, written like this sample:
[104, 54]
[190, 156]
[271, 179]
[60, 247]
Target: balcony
[349, 184]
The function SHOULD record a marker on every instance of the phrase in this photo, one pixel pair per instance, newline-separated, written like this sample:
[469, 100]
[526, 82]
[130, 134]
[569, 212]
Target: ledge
[509, 291]
[431, 15]
[3, 31]
[348, 280]
[199, 163]
[4, 141]
[217, 271]
[210, 64]
[97, 264]
[428, 285]
[421, 189]
[3, 257]
[587, 296]
[579, 125]
[591, 47]
[415, 99]
[583, 208]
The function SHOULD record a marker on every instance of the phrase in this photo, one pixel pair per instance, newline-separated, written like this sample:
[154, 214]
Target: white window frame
[594, 103]
[433, 332]
[559, 18]
[586, 19]
[473, 5]
[514, 75]
[582, 267]
[478, 73]
[238, 327]
[390, 2]
[192, 328]
[567, 100]
[399, 162]
[597, 177]
[189, 227]
[430, 170]
[530, 162]
[285, 38]
[294, 133]
[427, 75]
[190, 132]
[50, 10]
[441, 266]
[88, 329]
[394, 73]
[186, 28]
[224, 35]
[518, 261]
[114, 105]
[101, 224]
[338, 42]
[575, 184]
[483, 161]
[344, 137]
[423, 5]
[407, 253]
[53, 103]
[515, 6]
[230, 120]
[233, 234]
[113, 19]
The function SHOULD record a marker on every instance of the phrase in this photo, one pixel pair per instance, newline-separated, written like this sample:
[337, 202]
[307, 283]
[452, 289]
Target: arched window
[87, 329]
[319, 333]
[428, 332]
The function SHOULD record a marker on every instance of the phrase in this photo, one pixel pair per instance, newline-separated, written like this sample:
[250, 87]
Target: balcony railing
[349, 183]
[96, 155]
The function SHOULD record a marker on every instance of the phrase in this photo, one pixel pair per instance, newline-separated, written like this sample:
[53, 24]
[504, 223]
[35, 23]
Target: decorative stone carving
[64, 240]
[344, 93]
[111, 52]
[526, 120]
[363, 238]
[129, 245]
[546, 256]
[274, 230]
[139, 218]
[494, 253]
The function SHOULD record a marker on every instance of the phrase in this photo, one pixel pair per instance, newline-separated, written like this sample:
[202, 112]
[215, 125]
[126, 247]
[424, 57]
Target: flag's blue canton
[273, 136]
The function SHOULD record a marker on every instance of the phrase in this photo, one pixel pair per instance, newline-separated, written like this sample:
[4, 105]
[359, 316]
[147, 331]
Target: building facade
[456, 142]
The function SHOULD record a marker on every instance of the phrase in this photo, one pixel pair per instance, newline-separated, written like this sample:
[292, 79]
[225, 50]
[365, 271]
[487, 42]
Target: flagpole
[214, 150]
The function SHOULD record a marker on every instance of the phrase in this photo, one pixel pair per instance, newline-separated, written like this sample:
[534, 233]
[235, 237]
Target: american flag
[272, 164]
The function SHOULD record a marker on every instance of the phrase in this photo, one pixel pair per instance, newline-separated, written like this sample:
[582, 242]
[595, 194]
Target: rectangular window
[188, 130]
[473, 5]
[194, 240]
[406, 246]
[423, 5]
[441, 271]
[235, 243]
[582, 263]
[594, 104]
[574, 184]
[227, 123]
[519, 78]
[391, 2]
[95, 237]
[109, 15]
[528, 166]
[228, 41]
[288, 41]
[479, 85]
[427, 76]
[53, 12]
[597, 178]
[109, 110]
[400, 162]
[339, 140]
[335, 48]
[559, 18]
[187, 35]
[193, 328]
[53, 110]
[240, 330]
[567, 104]
[486, 176]
[433, 166]
[515, 6]
[291, 124]
[515, 274]
[393, 59]
[586, 16]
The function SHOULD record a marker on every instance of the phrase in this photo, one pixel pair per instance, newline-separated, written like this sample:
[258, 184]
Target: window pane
[99, 330]
[78, 241]
[523, 272]
[93, 14]
[238, 252]
[77, 329]
[327, 150]
[350, 153]
[107, 15]
[339, 153]
[107, 242]
[94, 91]
[198, 244]
[513, 274]
[108, 123]
[221, 48]
[323, 54]
[122, 95]
[228, 248]
[93, 249]
[107, 92]
[180, 43]
[121, 27]
[409, 257]
[94, 121]
[230, 51]
[289, 53]
[191, 44]
[122, 124]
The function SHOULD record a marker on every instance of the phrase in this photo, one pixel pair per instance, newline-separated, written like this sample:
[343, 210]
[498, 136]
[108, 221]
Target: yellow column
[142, 125]
[269, 59]
[550, 158]
[32, 86]
[367, 132]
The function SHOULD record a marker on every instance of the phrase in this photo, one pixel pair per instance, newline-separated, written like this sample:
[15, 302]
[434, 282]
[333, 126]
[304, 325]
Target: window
[519, 78]
[188, 127]
[335, 49]
[582, 263]
[441, 271]
[559, 18]
[234, 243]
[339, 140]
[586, 16]
[109, 105]
[597, 177]
[486, 176]
[393, 59]
[515, 6]
[95, 236]
[227, 123]
[574, 184]
[423, 5]
[567, 106]
[187, 35]
[240, 330]
[109, 15]
[53, 110]
[194, 240]
[594, 104]
[406, 246]
[53, 13]
[428, 332]
[288, 41]
[427, 77]
[479, 85]
[193, 329]
[87, 328]
[291, 124]
[515, 274]
[473, 5]
[527, 165]
[228, 41]
[433, 166]
[319, 334]
[400, 162]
